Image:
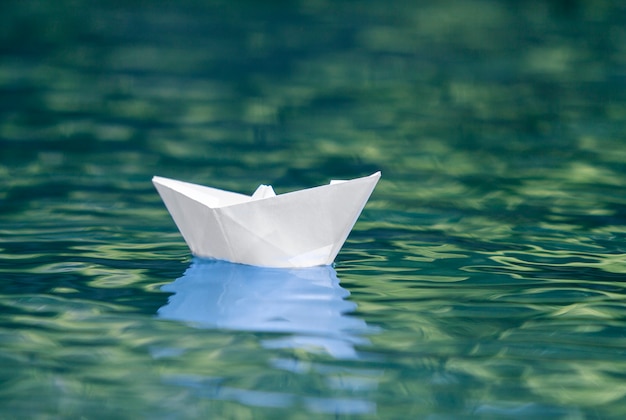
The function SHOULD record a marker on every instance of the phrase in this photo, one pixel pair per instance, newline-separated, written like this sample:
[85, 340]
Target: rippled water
[484, 278]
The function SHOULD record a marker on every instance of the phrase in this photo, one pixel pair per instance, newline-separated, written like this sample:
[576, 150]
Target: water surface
[484, 278]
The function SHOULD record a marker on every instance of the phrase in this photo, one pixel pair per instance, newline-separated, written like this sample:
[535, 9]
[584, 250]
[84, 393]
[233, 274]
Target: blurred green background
[490, 258]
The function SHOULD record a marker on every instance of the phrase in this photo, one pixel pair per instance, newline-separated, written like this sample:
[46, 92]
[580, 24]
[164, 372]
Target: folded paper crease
[303, 228]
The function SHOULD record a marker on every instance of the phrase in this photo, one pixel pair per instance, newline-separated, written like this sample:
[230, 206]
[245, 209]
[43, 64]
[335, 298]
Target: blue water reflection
[307, 305]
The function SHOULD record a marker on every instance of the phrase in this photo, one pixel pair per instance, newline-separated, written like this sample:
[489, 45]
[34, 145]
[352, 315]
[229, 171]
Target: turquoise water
[484, 278]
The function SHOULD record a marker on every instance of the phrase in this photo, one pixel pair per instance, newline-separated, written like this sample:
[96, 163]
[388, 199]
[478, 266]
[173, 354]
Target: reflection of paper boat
[308, 304]
[298, 229]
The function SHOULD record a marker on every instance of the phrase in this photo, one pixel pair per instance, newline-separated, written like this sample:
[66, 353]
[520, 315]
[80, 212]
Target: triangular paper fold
[303, 228]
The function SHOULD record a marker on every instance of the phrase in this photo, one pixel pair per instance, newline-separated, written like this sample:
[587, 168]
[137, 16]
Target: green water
[484, 279]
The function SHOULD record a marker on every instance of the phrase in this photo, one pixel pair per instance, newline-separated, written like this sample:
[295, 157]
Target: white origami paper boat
[303, 228]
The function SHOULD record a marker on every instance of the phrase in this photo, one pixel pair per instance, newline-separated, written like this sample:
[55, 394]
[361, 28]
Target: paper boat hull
[304, 228]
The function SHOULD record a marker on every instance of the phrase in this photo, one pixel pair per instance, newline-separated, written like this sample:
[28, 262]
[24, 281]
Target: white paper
[264, 191]
[303, 228]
